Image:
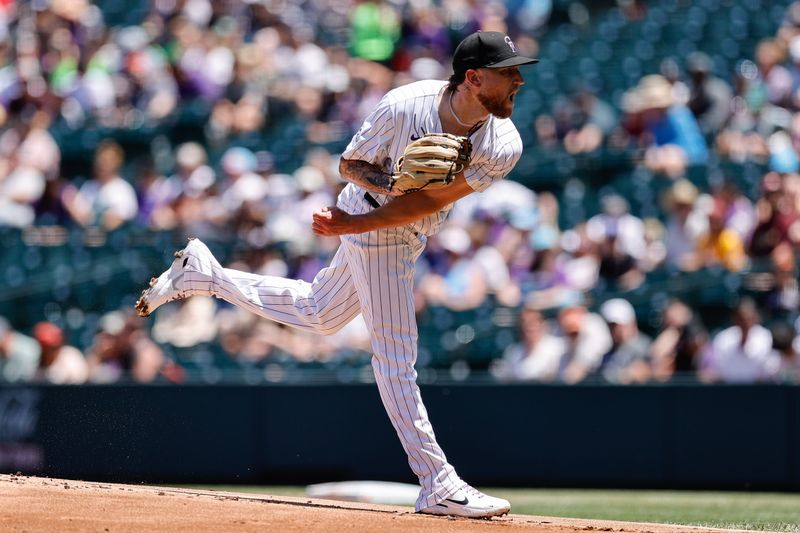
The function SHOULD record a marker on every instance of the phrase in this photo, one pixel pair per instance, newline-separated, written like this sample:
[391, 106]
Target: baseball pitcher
[426, 145]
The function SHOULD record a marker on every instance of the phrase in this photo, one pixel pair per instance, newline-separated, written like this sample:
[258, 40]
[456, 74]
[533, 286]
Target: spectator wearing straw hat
[670, 134]
[685, 225]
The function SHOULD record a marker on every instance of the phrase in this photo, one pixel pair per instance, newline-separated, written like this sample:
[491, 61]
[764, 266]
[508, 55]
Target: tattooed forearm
[367, 176]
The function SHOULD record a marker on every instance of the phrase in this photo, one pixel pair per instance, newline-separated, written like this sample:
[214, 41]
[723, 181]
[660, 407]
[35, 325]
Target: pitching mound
[43, 504]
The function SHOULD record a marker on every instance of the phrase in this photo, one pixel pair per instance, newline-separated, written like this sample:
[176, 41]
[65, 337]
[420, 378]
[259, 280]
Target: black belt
[371, 200]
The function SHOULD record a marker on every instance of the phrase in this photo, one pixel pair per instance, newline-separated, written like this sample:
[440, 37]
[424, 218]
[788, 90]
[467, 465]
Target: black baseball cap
[488, 49]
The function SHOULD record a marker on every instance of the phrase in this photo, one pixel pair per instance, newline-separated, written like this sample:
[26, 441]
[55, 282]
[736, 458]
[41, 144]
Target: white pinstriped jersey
[408, 112]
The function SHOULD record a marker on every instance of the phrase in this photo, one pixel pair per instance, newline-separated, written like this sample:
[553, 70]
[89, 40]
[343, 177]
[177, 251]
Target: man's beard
[495, 105]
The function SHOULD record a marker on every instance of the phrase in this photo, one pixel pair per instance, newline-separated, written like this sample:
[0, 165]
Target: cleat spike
[167, 287]
[141, 307]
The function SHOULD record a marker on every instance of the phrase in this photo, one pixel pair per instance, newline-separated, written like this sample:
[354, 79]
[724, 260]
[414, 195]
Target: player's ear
[473, 78]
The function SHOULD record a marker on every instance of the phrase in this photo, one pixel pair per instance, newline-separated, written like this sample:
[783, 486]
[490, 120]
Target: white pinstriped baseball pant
[371, 273]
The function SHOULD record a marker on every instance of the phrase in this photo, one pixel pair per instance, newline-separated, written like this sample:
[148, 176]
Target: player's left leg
[382, 265]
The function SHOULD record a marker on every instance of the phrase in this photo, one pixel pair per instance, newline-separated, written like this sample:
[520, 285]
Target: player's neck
[464, 113]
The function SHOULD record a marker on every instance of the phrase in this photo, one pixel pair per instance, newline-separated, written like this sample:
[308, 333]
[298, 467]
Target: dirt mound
[44, 504]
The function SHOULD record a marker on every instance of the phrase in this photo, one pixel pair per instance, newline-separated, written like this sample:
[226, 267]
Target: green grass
[734, 510]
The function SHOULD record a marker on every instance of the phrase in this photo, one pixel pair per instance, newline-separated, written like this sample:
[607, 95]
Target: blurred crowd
[324, 65]
[609, 344]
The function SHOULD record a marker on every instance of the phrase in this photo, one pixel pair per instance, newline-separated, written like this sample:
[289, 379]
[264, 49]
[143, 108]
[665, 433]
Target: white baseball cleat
[471, 503]
[167, 287]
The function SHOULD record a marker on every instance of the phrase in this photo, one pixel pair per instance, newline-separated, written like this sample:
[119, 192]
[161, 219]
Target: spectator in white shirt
[621, 242]
[628, 360]
[19, 190]
[19, 354]
[59, 363]
[785, 345]
[108, 200]
[616, 221]
[686, 224]
[743, 352]
[538, 354]
[586, 338]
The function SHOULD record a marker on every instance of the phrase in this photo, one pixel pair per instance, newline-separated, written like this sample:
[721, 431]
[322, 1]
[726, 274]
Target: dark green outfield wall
[655, 436]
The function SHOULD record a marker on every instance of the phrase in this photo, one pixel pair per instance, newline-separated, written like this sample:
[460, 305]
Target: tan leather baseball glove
[430, 162]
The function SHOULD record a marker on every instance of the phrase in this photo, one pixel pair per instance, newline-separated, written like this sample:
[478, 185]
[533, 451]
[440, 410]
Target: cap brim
[513, 62]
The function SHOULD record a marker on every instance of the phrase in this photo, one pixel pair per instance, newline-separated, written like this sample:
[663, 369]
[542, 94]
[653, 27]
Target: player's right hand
[332, 221]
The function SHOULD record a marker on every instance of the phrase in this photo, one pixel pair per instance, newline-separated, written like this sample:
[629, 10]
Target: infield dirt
[33, 504]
